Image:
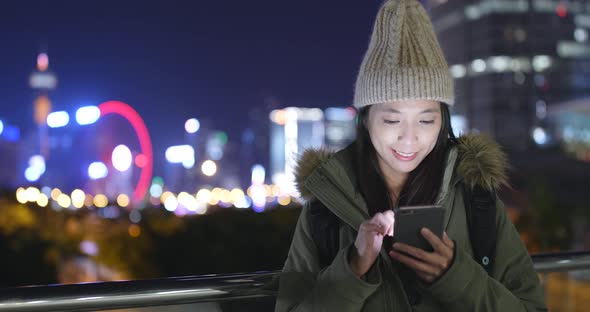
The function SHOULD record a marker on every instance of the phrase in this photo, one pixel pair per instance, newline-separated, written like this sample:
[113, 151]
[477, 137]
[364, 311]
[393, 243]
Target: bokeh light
[209, 168]
[156, 190]
[55, 193]
[123, 200]
[89, 247]
[42, 62]
[141, 160]
[33, 194]
[192, 125]
[43, 200]
[32, 174]
[170, 203]
[284, 200]
[134, 230]
[89, 201]
[64, 201]
[203, 195]
[78, 198]
[58, 119]
[21, 195]
[122, 158]
[97, 170]
[135, 216]
[101, 201]
[87, 115]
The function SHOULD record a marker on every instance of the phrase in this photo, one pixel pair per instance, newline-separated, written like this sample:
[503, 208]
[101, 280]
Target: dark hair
[423, 183]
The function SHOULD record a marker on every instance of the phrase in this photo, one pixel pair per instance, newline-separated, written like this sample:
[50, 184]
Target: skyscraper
[293, 130]
[513, 59]
[42, 81]
[340, 127]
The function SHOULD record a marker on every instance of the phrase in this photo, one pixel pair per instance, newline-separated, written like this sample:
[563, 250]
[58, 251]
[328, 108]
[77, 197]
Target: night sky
[172, 60]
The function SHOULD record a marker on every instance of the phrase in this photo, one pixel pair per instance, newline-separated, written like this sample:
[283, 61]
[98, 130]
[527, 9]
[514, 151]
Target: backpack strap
[325, 232]
[480, 208]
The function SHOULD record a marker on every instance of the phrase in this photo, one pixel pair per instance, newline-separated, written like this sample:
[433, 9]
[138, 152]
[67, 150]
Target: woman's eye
[391, 122]
[427, 122]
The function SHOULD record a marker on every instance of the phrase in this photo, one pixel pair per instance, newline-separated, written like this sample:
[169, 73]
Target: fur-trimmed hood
[481, 161]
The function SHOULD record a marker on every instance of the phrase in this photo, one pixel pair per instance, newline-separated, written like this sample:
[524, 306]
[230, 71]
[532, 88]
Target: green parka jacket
[466, 286]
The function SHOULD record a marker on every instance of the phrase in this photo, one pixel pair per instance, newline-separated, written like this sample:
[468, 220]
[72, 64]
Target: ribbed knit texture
[404, 60]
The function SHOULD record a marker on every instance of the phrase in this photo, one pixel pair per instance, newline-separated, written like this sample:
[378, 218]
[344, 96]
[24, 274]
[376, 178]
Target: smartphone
[411, 219]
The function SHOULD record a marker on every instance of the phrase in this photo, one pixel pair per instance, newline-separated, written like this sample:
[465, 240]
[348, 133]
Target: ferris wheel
[121, 157]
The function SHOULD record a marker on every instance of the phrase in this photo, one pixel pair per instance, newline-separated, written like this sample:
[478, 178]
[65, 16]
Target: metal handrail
[138, 293]
[192, 289]
[561, 262]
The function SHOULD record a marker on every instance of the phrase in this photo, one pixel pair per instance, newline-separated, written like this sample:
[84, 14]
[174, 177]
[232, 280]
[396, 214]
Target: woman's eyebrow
[429, 110]
[390, 110]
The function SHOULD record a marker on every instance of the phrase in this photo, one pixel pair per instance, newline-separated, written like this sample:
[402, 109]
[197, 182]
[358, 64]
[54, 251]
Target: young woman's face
[404, 133]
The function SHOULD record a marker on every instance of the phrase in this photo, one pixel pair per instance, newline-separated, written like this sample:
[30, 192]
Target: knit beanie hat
[404, 60]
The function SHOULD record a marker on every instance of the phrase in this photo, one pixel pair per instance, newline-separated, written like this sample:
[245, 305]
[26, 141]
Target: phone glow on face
[404, 133]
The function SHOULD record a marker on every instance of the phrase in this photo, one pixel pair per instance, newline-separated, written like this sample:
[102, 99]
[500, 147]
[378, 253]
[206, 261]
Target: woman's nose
[408, 135]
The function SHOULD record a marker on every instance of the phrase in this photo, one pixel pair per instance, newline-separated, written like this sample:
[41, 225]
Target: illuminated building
[512, 60]
[9, 154]
[42, 81]
[568, 124]
[293, 130]
[340, 127]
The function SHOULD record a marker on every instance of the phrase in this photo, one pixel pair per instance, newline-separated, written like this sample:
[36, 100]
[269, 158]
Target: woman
[405, 154]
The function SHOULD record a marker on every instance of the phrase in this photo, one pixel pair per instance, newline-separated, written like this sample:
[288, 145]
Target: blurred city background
[146, 139]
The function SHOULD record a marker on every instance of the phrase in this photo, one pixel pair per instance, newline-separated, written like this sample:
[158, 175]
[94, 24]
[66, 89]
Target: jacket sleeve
[515, 286]
[304, 286]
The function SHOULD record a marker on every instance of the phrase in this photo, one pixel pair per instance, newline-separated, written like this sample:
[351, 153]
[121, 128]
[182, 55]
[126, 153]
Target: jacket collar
[329, 176]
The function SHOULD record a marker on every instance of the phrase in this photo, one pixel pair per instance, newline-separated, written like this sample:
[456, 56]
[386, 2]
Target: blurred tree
[25, 254]
[228, 241]
[40, 245]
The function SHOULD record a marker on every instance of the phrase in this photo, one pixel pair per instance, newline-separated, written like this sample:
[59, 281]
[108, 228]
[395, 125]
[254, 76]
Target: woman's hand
[369, 240]
[429, 266]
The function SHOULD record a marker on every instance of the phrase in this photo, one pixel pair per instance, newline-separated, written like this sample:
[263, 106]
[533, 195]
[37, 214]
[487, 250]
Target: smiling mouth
[404, 156]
